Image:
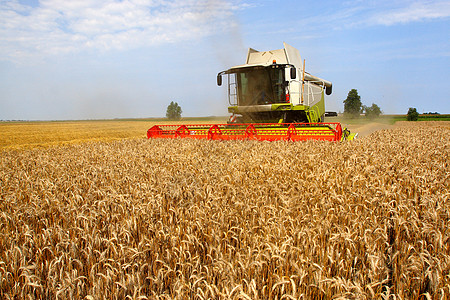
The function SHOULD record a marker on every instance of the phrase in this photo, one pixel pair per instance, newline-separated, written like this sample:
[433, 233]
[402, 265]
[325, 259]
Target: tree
[173, 111]
[352, 105]
[412, 115]
[372, 111]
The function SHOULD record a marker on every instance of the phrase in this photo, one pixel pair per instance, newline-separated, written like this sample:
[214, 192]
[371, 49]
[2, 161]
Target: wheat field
[42, 134]
[198, 219]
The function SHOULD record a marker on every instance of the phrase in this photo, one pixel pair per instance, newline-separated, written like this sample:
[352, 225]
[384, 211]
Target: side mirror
[328, 89]
[219, 79]
[293, 73]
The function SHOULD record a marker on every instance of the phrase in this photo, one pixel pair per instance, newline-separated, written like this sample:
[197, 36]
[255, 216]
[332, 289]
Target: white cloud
[59, 27]
[415, 12]
[360, 14]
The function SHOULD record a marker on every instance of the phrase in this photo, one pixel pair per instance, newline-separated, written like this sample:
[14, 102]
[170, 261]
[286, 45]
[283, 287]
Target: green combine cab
[273, 87]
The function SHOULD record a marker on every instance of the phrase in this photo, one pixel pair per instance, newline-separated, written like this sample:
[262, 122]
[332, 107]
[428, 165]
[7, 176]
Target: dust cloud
[227, 42]
[367, 129]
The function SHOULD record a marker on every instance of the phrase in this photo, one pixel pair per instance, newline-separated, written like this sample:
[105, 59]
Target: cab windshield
[260, 85]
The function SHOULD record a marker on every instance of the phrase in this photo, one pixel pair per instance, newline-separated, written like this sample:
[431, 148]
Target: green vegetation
[352, 105]
[428, 117]
[373, 111]
[412, 114]
[173, 111]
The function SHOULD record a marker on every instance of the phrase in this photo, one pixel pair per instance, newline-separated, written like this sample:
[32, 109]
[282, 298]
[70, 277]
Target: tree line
[353, 108]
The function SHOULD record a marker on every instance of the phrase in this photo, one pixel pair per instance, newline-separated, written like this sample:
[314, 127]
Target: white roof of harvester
[288, 55]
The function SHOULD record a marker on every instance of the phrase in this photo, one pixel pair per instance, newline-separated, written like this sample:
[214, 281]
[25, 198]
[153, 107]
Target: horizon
[340, 115]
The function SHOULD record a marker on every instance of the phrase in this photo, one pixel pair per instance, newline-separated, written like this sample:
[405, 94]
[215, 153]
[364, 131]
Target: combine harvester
[271, 98]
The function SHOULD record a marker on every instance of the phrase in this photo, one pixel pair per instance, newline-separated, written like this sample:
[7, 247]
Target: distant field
[385, 119]
[434, 117]
[48, 133]
[24, 135]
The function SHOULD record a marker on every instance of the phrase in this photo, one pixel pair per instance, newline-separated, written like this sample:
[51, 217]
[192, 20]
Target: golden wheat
[27, 135]
[188, 219]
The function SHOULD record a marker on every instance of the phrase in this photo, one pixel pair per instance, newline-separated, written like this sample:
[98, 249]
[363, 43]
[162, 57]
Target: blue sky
[128, 59]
